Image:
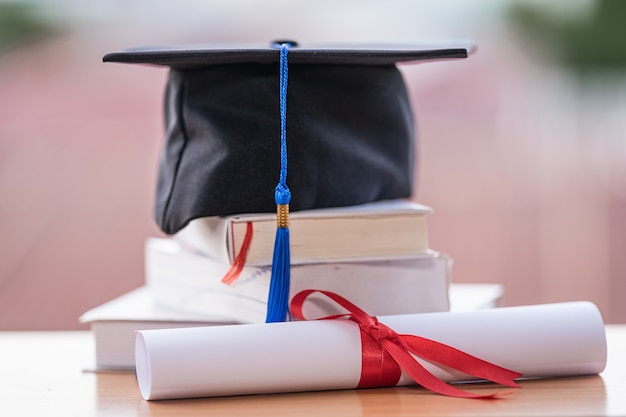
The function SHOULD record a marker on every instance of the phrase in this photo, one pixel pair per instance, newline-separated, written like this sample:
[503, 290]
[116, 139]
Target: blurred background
[522, 147]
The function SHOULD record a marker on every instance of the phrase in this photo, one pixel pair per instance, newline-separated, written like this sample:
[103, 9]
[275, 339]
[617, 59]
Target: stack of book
[376, 255]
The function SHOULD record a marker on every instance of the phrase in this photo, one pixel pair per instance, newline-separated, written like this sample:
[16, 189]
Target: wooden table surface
[42, 374]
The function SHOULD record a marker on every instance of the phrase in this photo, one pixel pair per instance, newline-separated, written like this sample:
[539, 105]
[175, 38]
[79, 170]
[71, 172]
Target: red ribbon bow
[385, 354]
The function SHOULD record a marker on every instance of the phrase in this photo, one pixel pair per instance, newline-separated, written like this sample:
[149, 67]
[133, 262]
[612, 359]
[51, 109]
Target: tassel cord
[278, 298]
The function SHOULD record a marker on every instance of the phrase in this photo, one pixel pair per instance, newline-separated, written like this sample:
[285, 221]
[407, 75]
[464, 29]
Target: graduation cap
[344, 124]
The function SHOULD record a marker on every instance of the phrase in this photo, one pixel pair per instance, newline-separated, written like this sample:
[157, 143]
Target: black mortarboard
[350, 126]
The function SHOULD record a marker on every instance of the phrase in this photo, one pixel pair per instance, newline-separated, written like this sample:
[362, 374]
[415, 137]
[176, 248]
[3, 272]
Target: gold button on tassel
[282, 216]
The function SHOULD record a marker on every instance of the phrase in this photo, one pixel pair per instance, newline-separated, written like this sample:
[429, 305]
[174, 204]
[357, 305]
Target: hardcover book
[380, 230]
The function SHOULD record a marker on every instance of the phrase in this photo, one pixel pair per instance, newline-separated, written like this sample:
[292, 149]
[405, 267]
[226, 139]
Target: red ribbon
[240, 260]
[387, 353]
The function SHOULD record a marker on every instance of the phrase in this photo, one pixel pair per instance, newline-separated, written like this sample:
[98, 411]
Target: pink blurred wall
[525, 180]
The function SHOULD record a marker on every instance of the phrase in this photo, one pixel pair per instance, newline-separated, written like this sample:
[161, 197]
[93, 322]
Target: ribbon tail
[424, 378]
[442, 354]
[240, 260]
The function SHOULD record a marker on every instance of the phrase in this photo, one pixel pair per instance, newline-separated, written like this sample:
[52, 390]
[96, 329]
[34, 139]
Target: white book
[379, 230]
[114, 324]
[191, 282]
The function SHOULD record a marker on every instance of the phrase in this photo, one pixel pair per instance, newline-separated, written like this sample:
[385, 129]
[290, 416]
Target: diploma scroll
[538, 341]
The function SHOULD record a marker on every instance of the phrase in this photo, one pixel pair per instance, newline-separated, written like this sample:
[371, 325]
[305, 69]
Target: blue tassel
[278, 298]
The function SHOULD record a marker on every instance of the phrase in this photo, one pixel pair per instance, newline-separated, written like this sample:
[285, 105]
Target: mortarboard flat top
[350, 128]
[187, 56]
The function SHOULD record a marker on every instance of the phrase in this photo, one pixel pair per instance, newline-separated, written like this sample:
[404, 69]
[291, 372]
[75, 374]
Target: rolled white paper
[538, 341]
